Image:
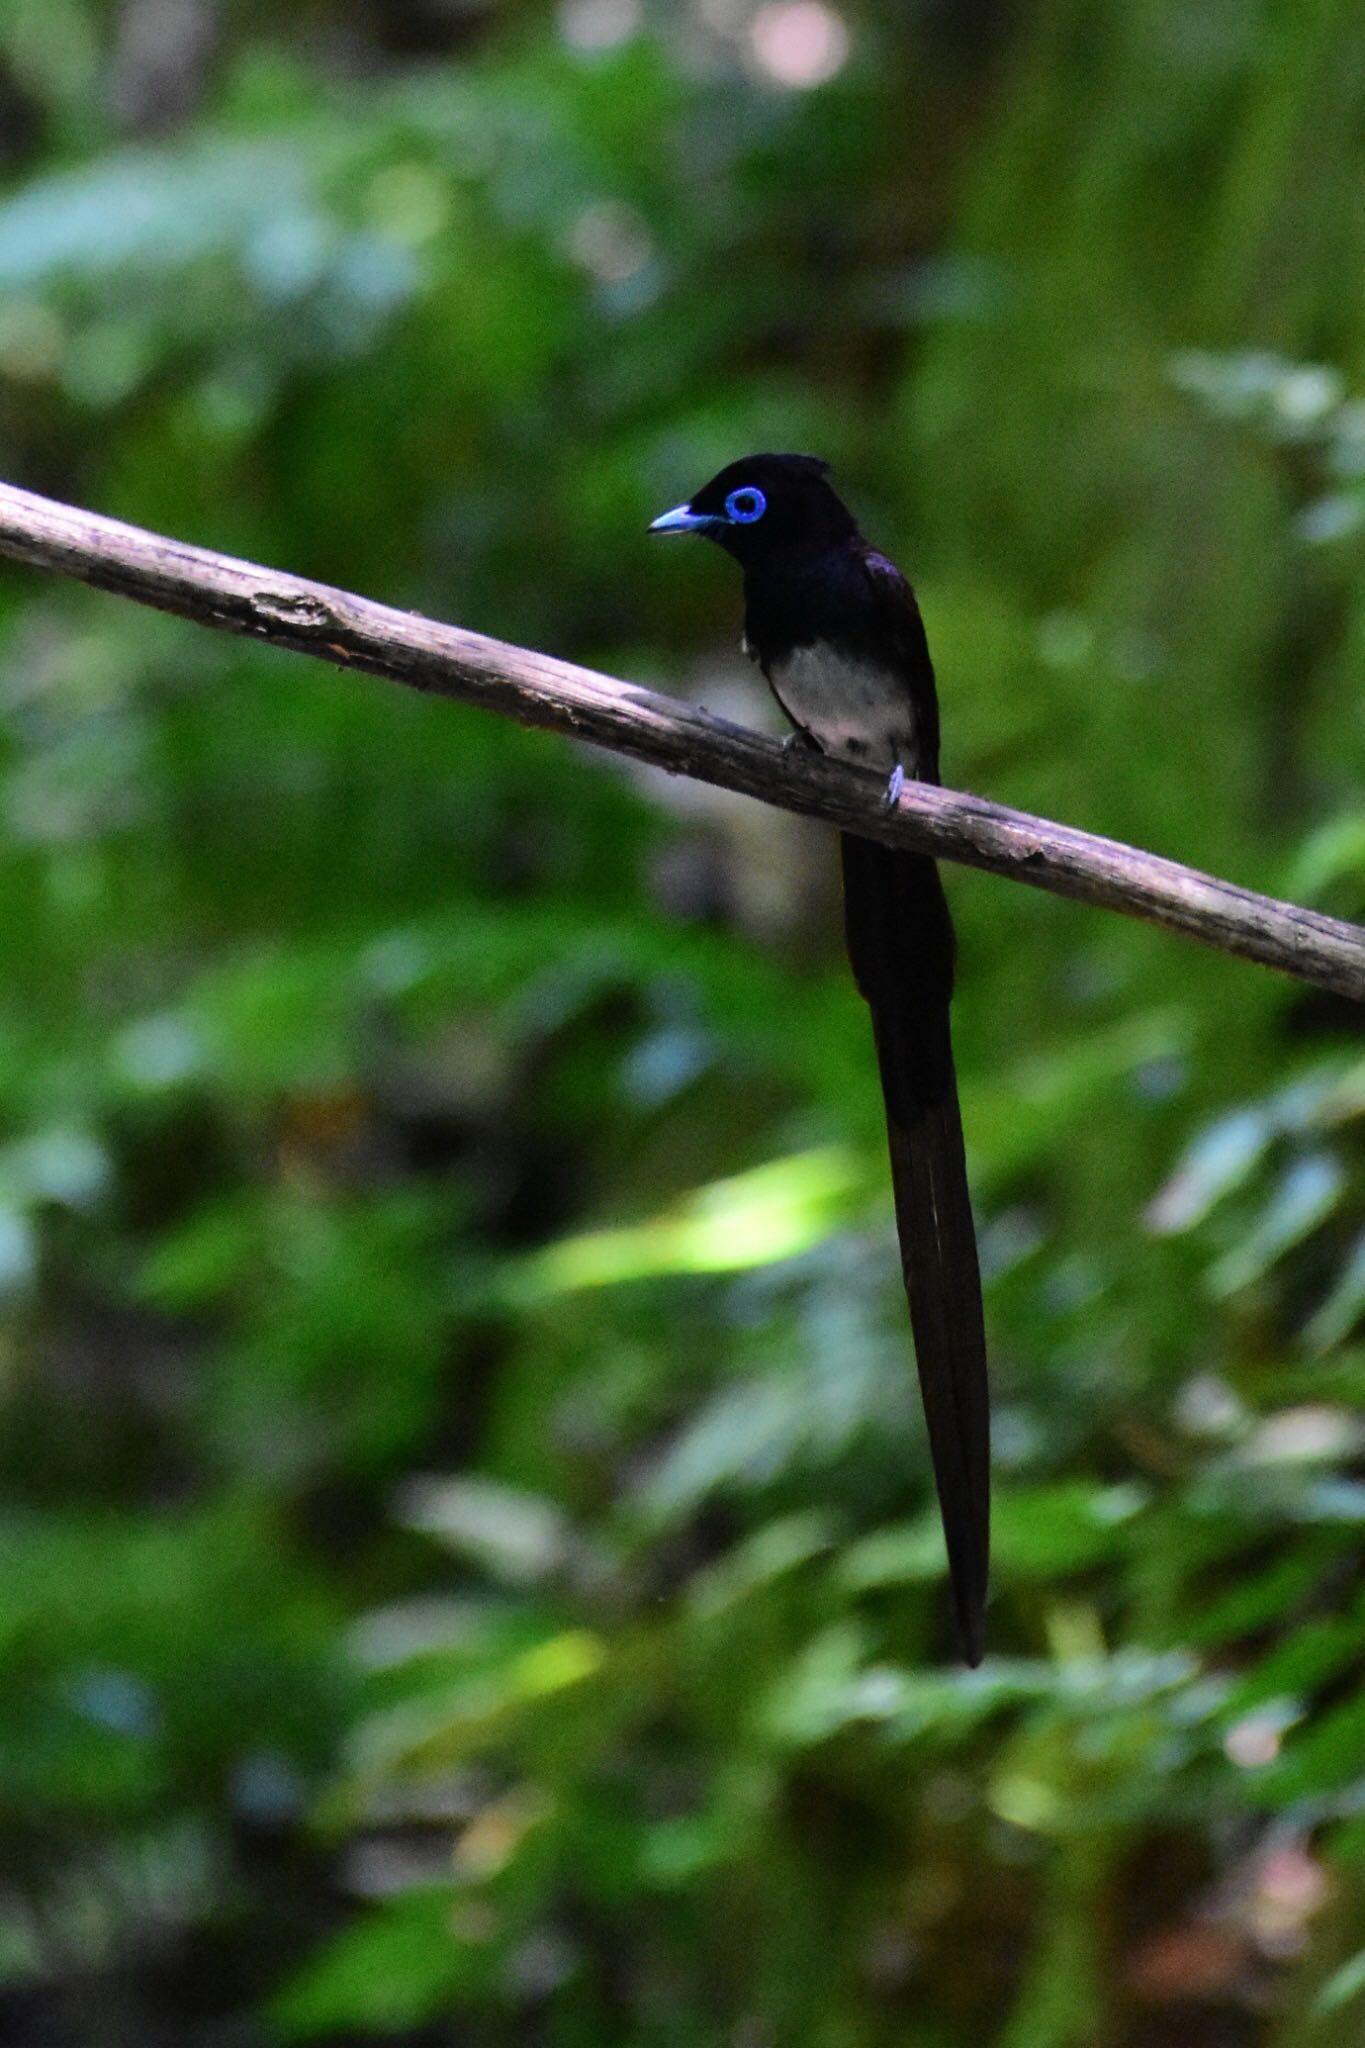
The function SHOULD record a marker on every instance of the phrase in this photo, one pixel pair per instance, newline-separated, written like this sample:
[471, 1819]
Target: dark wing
[897, 623]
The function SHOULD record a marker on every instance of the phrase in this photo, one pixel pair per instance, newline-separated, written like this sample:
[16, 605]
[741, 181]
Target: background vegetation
[468, 1571]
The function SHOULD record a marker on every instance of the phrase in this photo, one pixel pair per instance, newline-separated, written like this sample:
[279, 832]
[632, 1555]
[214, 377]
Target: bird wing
[900, 629]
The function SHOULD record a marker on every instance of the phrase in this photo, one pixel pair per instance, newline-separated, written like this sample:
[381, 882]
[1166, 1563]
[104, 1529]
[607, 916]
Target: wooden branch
[334, 625]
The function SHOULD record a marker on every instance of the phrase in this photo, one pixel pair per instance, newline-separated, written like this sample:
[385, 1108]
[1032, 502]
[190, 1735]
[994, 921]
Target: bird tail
[901, 948]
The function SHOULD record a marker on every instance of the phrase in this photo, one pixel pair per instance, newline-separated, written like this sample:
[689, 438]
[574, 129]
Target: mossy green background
[468, 1567]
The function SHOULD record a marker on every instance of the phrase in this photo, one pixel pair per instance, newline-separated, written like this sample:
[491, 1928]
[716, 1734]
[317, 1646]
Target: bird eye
[745, 505]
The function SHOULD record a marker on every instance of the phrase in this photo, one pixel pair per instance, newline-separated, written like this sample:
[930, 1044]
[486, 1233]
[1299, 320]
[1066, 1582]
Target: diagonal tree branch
[237, 597]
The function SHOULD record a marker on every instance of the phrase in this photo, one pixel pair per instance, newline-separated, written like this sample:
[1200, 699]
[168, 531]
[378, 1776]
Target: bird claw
[894, 787]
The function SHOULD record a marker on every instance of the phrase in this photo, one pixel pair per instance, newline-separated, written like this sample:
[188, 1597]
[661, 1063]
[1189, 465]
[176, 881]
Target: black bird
[835, 628]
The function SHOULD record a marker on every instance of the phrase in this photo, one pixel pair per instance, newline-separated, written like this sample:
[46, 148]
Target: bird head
[763, 505]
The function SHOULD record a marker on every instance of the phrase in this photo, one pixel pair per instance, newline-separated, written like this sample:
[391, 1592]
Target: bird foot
[894, 787]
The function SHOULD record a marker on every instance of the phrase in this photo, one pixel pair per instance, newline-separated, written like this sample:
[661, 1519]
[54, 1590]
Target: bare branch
[334, 625]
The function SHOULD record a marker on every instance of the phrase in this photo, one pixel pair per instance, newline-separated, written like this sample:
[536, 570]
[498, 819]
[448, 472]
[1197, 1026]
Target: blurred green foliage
[468, 1570]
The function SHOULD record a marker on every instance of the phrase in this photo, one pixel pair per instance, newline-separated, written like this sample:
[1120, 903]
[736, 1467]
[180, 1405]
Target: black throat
[809, 595]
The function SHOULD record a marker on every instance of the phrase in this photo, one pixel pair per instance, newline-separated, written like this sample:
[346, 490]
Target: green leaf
[1343, 1987]
[1049, 1530]
[773, 1212]
[393, 1968]
[517, 1537]
[1305, 1196]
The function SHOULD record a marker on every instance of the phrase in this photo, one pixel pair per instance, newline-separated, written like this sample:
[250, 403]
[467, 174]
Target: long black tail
[900, 944]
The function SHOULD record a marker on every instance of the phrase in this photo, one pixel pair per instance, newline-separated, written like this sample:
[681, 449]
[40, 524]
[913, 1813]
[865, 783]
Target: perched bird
[835, 628]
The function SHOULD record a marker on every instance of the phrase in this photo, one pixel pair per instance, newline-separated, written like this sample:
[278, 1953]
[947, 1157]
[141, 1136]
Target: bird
[836, 630]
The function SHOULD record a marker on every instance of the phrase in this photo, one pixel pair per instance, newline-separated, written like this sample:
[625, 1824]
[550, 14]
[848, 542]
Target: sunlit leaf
[773, 1212]
[1343, 1987]
[516, 1536]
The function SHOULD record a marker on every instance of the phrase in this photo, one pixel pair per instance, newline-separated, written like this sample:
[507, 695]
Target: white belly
[860, 712]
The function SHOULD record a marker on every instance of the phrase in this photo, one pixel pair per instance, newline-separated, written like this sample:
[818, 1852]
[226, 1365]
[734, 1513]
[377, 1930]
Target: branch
[333, 625]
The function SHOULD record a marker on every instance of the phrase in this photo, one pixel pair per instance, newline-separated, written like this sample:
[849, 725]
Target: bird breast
[848, 706]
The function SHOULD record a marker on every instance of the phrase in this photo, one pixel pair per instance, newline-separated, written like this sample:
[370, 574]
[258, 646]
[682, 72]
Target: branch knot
[290, 608]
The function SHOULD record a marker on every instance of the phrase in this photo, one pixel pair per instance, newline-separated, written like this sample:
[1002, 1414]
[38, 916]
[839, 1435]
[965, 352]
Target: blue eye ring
[745, 505]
